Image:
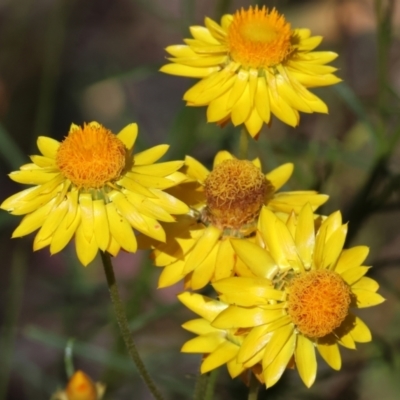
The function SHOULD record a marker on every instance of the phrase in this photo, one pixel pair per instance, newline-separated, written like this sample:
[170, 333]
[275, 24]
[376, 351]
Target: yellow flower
[253, 65]
[92, 187]
[300, 298]
[225, 204]
[219, 346]
[81, 387]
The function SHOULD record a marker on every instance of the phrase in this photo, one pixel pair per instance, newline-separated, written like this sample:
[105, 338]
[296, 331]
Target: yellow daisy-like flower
[226, 203]
[81, 387]
[92, 187]
[219, 346]
[300, 297]
[253, 65]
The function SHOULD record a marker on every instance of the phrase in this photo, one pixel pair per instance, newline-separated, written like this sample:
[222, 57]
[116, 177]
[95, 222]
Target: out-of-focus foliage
[65, 61]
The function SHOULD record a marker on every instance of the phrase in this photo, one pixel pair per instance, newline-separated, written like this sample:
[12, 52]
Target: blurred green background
[64, 61]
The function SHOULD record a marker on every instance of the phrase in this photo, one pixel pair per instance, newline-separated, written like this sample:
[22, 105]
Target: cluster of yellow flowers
[284, 283]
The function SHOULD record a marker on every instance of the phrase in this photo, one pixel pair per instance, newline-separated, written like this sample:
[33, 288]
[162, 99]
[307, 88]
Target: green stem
[243, 144]
[254, 387]
[122, 320]
[209, 394]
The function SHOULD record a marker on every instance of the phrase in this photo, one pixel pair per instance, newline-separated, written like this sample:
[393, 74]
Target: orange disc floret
[259, 38]
[91, 156]
[235, 192]
[318, 303]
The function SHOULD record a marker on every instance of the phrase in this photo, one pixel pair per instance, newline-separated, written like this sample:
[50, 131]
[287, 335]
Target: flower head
[80, 387]
[301, 297]
[91, 186]
[253, 65]
[226, 203]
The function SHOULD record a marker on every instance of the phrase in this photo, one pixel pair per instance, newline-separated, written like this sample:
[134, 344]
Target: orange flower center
[81, 387]
[235, 192]
[259, 38]
[91, 156]
[318, 303]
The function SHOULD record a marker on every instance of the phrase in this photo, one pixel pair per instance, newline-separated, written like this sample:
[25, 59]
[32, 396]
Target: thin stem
[254, 387]
[122, 320]
[243, 143]
[209, 394]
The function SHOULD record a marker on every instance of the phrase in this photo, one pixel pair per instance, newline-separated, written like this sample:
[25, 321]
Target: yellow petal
[135, 187]
[240, 83]
[204, 343]
[256, 258]
[352, 275]
[276, 237]
[120, 229]
[204, 272]
[360, 332]
[218, 109]
[294, 201]
[199, 326]
[332, 249]
[169, 203]
[180, 50]
[234, 368]
[66, 229]
[204, 306]
[253, 343]
[239, 317]
[224, 353]
[366, 283]
[351, 258]
[261, 100]
[276, 344]
[306, 361]
[331, 354]
[160, 169]
[195, 169]
[150, 181]
[305, 235]
[33, 221]
[86, 250]
[241, 110]
[278, 366]
[222, 156]
[48, 146]
[365, 298]
[87, 222]
[253, 123]
[215, 92]
[310, 43]
[203, 34]
[101, 227]
[128, 135]
[191, 72]
[244, 291]
[53, 220]
[202, 248]
[279, 176]
[151, 155]
[225, 261]
[171, 274]
[280, 108]
[33, 176]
